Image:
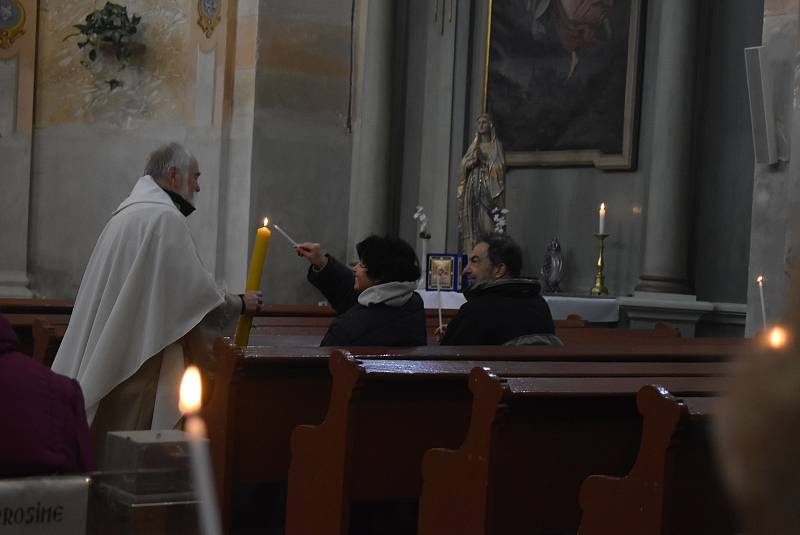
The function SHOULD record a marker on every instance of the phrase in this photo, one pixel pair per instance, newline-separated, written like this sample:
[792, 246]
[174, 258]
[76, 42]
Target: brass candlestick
[599, 278]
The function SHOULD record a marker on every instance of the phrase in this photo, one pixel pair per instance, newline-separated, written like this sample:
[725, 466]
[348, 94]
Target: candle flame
[266, 221]
[760, 279]
[603, 206]
[777, 337]
[191, 392]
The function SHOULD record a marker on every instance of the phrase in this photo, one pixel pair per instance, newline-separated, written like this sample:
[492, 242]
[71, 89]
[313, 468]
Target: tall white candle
[421, 284]
[279, 229]
[439, 295]
[191, 395]
[602, 225]
[760, 281]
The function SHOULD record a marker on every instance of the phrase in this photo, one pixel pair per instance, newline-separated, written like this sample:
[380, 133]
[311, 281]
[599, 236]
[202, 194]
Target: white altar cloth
[592, 309]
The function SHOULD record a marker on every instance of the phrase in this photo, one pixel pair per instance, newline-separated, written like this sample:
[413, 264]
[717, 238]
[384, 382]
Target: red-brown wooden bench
[384, 415]
[674, 486]
[532, 442]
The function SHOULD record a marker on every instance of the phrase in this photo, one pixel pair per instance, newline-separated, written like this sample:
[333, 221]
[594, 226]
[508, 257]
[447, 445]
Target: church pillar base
[660, 284]
[682, 311]
[14, 284]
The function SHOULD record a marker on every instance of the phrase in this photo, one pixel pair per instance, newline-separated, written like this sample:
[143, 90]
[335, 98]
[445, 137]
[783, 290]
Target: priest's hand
[313, 253]
[251, 301]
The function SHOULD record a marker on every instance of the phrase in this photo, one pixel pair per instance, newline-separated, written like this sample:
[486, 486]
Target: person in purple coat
[42, 417]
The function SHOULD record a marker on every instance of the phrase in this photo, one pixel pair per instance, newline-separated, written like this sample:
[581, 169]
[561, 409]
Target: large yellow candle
[253, 280]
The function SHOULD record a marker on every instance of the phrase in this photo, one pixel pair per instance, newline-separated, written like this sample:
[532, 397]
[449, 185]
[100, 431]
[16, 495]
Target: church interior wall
[776, 186]
[90, 143]
[302, 149]
[723, 152]
[411, 109]
[563, 202]
[287, 153]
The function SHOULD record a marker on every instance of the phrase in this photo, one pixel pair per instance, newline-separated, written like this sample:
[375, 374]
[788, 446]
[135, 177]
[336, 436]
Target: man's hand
[313, 253]
[439, 332]
[251, 300]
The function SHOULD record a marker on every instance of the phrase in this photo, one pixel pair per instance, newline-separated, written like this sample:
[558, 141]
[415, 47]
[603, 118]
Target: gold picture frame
[442, 272]
[563, 101]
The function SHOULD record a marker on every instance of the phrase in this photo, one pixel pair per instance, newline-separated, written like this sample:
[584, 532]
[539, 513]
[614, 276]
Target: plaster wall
[563, 202]
[17, 69]
[15, 155]
[411, 109]
[775, 185]
[301, 147]
[724, 152]
[235, 195]
[90, 143]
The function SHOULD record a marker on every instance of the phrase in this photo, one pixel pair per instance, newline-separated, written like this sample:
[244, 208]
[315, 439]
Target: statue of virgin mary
[481, 184]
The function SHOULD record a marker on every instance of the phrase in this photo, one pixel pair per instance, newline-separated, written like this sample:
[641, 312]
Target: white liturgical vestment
[144, 288]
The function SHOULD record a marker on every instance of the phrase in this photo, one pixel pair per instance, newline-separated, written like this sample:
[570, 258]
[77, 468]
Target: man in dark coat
[500, 306]
[375, 302]
[42, 416]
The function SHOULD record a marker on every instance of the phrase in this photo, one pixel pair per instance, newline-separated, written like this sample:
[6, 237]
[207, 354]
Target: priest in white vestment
[144, 298]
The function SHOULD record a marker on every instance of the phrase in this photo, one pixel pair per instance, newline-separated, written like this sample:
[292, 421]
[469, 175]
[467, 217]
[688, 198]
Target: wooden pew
[674, 487]
[256, 397]
[660, 334]
[13, 305]
[273, 321]
[384, 415]
[21, 313]
[47, 336]
[304, 323]
[285, 325]
[259, 394]
[531, 443]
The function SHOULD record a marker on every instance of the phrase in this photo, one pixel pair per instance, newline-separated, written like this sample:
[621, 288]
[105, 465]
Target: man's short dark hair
[504, 250]
[388, 259]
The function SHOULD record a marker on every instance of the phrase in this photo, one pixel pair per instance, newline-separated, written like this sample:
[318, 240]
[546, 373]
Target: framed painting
[444, 272]
[562, 80]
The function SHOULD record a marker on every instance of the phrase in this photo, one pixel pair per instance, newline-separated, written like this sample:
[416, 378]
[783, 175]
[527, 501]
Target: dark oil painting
[562, 80]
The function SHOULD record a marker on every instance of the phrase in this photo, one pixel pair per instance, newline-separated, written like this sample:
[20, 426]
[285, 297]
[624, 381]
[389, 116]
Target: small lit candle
[190, 401]
[760, 281]
[279, 229]
[260, 248]
[602, 225]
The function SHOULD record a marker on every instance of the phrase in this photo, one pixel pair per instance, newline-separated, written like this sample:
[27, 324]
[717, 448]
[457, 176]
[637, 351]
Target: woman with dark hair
[375, 302]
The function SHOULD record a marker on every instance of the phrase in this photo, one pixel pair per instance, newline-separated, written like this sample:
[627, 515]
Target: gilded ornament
[209, 11]
[12, 20]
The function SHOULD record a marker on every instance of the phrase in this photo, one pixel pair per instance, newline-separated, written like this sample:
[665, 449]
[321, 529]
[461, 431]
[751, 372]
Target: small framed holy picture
[442, 272]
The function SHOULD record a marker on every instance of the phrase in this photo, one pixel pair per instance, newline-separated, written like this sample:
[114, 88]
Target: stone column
[369, 184]
[668, 207]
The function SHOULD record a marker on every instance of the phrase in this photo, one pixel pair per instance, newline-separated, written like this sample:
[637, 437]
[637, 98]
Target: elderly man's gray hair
[166, 156]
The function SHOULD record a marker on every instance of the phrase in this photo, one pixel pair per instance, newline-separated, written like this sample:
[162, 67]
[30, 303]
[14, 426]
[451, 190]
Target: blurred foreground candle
[602, 225]
[777, 337]
[191, 395]
[253, 280]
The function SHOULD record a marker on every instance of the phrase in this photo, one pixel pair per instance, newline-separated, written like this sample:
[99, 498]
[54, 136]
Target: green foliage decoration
[108, 27]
